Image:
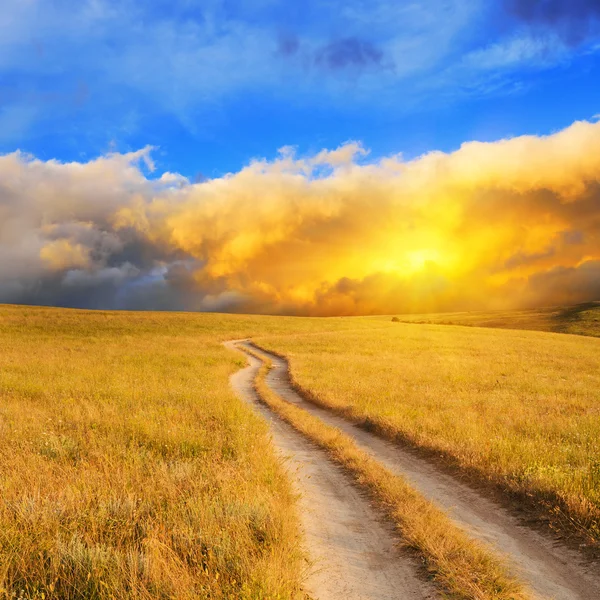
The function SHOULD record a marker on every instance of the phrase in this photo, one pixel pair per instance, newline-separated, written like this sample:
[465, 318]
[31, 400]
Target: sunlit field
[581, 319]
[127, 466]
[516, 408]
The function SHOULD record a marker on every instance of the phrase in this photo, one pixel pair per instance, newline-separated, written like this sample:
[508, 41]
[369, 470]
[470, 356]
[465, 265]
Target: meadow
[516, 409]
[128, 468]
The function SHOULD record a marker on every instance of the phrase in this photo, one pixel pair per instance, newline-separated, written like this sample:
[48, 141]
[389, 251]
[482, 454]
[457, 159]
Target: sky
[323, 158]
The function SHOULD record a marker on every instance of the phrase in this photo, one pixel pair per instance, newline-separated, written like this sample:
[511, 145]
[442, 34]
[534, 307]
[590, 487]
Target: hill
[580, 319]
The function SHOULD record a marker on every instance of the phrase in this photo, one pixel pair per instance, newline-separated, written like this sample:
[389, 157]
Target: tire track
[353, 553]
[550, 570]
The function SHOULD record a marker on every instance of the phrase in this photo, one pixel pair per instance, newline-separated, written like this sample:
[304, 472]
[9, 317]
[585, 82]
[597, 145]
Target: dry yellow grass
[463, 568]
[127, 466]
[517, 408]
[129, 469]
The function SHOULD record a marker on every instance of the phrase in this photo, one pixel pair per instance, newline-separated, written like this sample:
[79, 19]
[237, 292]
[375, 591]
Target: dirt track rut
[353, 553]
[551, 571]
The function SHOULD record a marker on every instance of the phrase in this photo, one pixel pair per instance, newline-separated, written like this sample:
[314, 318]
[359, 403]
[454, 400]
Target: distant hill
[580, 319]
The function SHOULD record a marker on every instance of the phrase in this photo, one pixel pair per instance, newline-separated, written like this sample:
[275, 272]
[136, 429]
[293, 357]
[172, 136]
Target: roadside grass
[580, 319]
[128, 468]
[463, 568]
[517, 409]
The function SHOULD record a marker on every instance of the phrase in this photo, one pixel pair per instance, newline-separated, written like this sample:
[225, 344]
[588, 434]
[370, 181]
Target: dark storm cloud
[347, 53]
[336, 55]
[566, 285]
[522, 258]
[573, 20]
[69, 289]
[288, 44]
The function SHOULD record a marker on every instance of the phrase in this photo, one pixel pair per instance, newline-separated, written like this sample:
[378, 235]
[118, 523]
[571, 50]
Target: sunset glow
[498, 225]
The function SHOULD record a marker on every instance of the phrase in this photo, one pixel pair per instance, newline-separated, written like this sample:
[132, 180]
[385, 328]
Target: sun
[417, 259]
[408, 262]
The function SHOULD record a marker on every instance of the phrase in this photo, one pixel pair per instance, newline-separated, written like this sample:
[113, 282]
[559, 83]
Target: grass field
[520, 409]
[127, 466]
[581, 319]
[129, 469]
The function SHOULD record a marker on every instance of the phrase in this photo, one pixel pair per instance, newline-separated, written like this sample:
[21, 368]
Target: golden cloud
[492, 225]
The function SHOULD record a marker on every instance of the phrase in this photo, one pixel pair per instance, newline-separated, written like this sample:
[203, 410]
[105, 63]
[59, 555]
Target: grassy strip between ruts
[462, 567]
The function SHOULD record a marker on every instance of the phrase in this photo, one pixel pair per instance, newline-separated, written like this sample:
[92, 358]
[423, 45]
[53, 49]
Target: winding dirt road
[551, 571]
[353, 553]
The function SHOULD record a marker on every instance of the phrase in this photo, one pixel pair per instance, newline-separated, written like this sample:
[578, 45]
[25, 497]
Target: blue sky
[214, 84]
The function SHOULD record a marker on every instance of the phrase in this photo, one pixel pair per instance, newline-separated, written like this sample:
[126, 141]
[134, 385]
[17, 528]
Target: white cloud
[138, 61]
[522, 51]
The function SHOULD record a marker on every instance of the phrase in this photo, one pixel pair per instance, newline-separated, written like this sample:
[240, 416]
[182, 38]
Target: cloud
[288, 44]
[520, 51]
[493, 225]
[554, 11]
[350, 52]
[338, 56]
[93, 71]
[334, 55]
[567, 285]
[573, 20]
[114, 66]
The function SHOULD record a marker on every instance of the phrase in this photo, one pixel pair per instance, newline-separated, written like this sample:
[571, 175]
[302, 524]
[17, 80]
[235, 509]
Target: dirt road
[353, 552]
[550, 570]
